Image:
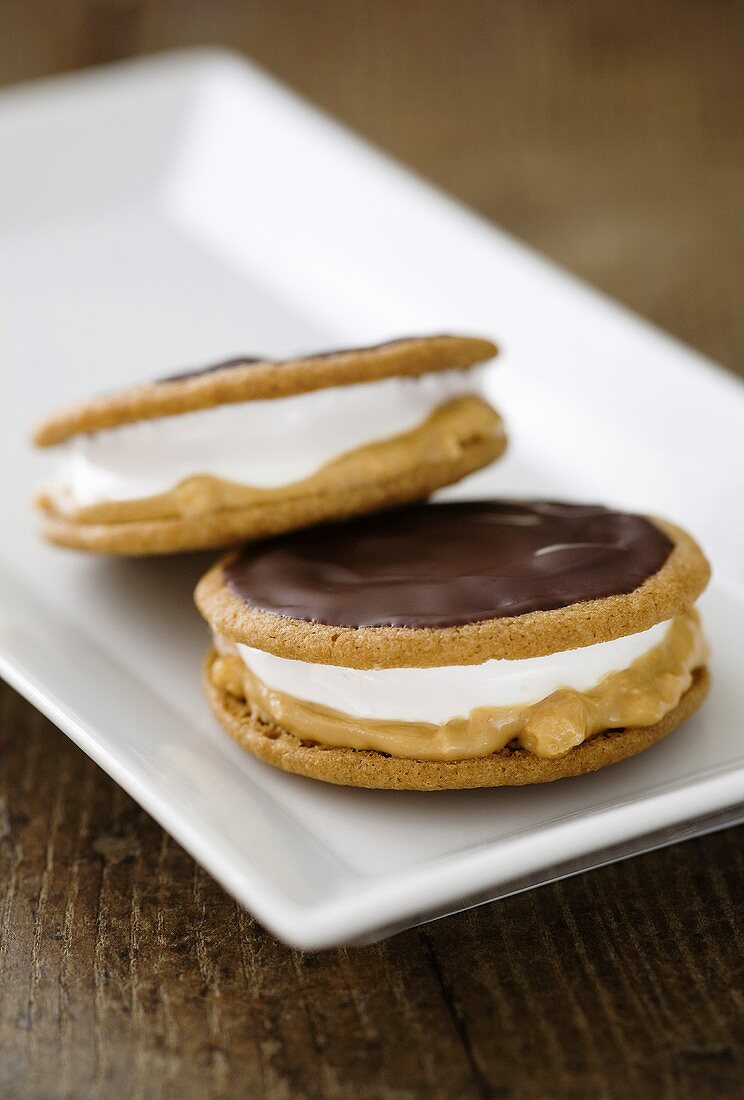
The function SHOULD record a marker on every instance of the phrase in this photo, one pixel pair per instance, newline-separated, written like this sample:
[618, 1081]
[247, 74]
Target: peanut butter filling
[442, 437]
[639, 695]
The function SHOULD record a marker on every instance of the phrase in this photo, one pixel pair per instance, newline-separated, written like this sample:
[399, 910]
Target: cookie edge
[666, 593]
[374, 770]
[219, 529]
[264, 381]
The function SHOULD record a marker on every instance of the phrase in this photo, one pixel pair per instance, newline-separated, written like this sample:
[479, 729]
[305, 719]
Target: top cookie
[454, 583]
[250, 379]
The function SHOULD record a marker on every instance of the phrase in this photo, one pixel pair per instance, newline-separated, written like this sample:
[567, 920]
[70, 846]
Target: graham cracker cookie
[251, 448]
[676, 583]
[510, 767]
[260, 520]
[249, 379]
[459, 644]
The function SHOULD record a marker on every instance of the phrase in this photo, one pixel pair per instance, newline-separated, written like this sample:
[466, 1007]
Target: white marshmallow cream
[437, 695]
[264, 444]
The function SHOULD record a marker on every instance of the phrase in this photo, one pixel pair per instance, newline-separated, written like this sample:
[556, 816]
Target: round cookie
[510, 767]
[250, 448]
[342, 649]
[681, 574]
[250, 379]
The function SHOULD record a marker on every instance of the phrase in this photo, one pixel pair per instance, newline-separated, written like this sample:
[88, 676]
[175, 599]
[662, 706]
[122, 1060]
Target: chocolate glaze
[436, 565]
[230, 364]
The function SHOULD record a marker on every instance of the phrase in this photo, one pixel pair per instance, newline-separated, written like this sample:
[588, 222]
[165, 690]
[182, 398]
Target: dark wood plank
[608, 135]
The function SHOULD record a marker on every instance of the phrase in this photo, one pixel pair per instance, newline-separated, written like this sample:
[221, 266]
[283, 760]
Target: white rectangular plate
[176, 211]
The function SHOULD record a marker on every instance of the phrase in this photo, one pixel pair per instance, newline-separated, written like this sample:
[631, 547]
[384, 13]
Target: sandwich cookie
[464, 644]
[250, 448]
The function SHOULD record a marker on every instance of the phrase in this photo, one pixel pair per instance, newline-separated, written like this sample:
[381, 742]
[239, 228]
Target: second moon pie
[463, 644]
[249, 448]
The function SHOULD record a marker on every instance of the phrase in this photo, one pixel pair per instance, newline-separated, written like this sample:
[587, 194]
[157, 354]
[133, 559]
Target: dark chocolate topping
[228, 364]
[437, 565]
[246, 360]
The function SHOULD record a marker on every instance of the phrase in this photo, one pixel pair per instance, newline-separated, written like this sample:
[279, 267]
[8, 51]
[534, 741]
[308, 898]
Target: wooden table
[609, 135]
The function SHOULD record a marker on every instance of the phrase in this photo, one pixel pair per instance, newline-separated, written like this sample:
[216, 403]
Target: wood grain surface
[608, 135]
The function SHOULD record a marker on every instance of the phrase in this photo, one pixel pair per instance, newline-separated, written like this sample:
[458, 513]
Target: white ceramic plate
[180, 210]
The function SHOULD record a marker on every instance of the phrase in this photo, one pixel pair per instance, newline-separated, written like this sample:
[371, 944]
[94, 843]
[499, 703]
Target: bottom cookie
[507, 768]
[262, 519]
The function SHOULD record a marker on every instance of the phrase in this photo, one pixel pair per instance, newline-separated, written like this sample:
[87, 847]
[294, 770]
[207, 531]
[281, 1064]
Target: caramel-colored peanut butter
[639, 695]
[441, 437]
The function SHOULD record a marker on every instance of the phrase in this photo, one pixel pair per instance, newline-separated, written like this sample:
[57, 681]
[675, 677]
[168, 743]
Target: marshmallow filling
[546, 705]
[266, 444]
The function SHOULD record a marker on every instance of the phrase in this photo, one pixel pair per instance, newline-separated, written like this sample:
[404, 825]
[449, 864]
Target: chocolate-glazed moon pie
[464, 644]
[250, 448]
